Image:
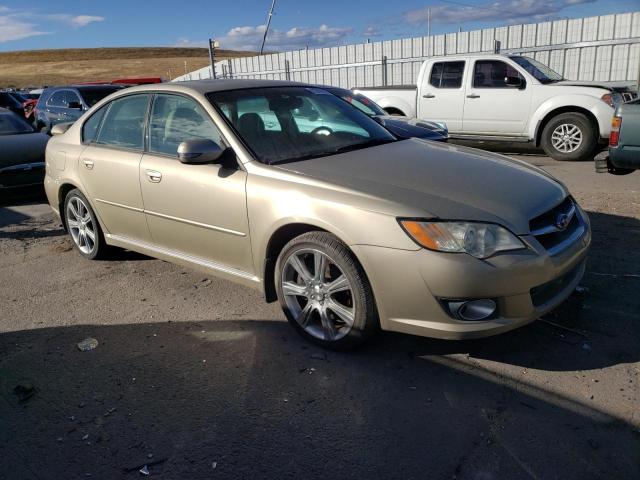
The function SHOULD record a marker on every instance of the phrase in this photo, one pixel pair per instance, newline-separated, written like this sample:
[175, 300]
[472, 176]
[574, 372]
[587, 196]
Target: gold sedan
[289, 189]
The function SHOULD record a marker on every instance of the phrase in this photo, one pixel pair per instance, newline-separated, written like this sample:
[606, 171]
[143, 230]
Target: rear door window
[58, 99]
[446, 74]
[123, 125]
[91, 126]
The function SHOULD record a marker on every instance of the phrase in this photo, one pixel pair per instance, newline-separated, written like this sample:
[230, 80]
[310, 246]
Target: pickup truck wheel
[324, 292]
[569, 137]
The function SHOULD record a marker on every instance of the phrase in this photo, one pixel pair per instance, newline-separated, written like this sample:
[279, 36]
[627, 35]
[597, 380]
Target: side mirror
[198, 151]
[75, 105]
[60, 128]
[515, 82]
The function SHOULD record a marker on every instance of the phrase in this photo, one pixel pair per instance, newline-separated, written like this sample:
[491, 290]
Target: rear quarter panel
[627, 153]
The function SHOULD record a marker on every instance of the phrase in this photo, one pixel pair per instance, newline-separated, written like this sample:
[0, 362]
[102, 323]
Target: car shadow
[237, 399]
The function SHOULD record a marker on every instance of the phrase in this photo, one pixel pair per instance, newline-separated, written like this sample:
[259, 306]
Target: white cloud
[500, 10]
[371, 31]
[16, 24]
[250, 37]
[13, 29]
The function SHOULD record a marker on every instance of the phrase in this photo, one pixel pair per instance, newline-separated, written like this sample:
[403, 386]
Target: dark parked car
[21, 153]
[9, 101]
[623, 156]
[401, 127]
[67, 104]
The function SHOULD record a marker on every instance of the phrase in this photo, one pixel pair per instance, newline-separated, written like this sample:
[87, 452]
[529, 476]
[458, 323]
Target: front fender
[599, 109]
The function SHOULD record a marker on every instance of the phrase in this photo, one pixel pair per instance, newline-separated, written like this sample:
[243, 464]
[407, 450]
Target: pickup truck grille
[559, 227]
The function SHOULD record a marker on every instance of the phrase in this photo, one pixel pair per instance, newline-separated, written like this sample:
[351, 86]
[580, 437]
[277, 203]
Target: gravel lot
[197, 378]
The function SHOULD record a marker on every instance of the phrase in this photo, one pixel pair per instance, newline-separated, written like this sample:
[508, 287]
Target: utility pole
[213, 44]
[264, 38]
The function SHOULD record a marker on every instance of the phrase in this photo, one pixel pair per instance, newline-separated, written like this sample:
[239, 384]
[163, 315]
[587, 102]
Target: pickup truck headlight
[481, 240]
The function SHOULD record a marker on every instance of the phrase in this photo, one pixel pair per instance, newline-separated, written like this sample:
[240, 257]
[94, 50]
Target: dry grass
[58, 67]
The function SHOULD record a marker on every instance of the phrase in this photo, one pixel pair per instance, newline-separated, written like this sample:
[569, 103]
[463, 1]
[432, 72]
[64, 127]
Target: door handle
[88, 163]
[473, 95]
[429, 95]
[154, 176]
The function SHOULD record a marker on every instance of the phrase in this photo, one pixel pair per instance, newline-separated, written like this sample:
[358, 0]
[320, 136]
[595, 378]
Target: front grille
[543, 294]
[551, 233]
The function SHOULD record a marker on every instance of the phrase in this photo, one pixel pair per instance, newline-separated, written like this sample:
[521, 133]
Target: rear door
[442, 93]
[193, 211]
[109, 165]
[492, 107]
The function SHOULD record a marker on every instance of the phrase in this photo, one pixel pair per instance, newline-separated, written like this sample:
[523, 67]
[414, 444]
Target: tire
[569, 137]
[335, 310]
[83, 227]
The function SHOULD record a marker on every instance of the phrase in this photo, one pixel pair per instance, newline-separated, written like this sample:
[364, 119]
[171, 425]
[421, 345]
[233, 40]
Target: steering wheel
[322, 131]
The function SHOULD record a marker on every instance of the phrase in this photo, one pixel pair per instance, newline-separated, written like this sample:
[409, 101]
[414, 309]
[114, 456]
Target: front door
[195, 211]
[492, 107]
[109, 165]
[441, 96]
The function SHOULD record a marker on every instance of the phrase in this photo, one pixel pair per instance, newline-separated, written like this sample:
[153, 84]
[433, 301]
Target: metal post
[264, 38]
[212, 58]
[230, 68]
[287, 72]
[384, 71]
[496, 46]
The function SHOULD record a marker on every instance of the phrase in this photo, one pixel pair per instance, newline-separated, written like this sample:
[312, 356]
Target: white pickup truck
[510, 98]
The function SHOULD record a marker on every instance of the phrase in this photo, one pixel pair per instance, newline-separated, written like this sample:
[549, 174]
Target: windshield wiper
[367, 144]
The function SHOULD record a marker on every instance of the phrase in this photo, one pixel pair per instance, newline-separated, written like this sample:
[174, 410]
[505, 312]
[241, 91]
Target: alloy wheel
[81, 225]
[318, 294]
[566, 138]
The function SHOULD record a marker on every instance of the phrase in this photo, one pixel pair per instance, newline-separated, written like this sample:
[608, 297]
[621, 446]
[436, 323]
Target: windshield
[11, 124]
[362, 103]
[540, 71]
[282, 124]
[94, 95]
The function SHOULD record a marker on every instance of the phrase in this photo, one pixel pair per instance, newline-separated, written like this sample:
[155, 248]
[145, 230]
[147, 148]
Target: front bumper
[526, 284]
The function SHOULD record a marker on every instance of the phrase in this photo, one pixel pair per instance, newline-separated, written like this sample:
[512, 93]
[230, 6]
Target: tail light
[614, 136]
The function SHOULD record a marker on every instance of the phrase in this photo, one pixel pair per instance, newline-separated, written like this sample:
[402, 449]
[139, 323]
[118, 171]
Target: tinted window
[71, 96]
[492, 74]
[11, 124]
[447, 74]
[94, 95]
[90, 127]
[175, 119]
[123, 125]
[8, 101]
[58, 99]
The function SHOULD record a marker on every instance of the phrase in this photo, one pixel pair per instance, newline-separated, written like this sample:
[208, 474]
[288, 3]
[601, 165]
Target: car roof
[218, 85]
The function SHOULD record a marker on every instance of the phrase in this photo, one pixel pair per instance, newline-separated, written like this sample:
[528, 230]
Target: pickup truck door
[492, 107]
[441, 94]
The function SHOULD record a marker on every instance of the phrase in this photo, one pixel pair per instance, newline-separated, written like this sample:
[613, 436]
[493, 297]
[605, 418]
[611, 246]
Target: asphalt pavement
[197, 378]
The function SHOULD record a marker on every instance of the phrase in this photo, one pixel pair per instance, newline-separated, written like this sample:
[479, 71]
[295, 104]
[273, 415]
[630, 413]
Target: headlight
[478, 239]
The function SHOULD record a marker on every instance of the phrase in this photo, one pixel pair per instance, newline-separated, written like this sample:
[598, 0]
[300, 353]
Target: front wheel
[569, 137]
[83, 226]
[324, 292]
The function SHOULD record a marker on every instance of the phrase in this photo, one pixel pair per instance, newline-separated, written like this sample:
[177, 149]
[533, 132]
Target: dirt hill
[56, 67]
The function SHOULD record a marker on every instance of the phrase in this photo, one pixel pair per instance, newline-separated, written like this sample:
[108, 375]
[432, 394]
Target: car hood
[405, 127]
[590, 84]
[437, 180]
[22, 148]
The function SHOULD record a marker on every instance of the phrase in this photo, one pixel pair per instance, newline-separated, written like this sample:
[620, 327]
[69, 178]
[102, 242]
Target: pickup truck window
[540, 71]
[492, 74]
[447, 74]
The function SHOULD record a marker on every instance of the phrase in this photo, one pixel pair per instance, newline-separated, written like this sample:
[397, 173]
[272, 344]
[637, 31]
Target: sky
[240, 24]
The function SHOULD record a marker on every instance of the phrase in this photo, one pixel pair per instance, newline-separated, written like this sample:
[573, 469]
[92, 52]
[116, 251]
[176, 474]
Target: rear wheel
[83, 226]
[324, 291]
[570, 137]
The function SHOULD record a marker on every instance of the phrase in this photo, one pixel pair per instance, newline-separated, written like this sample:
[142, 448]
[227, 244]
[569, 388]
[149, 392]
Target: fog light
[472, 310]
